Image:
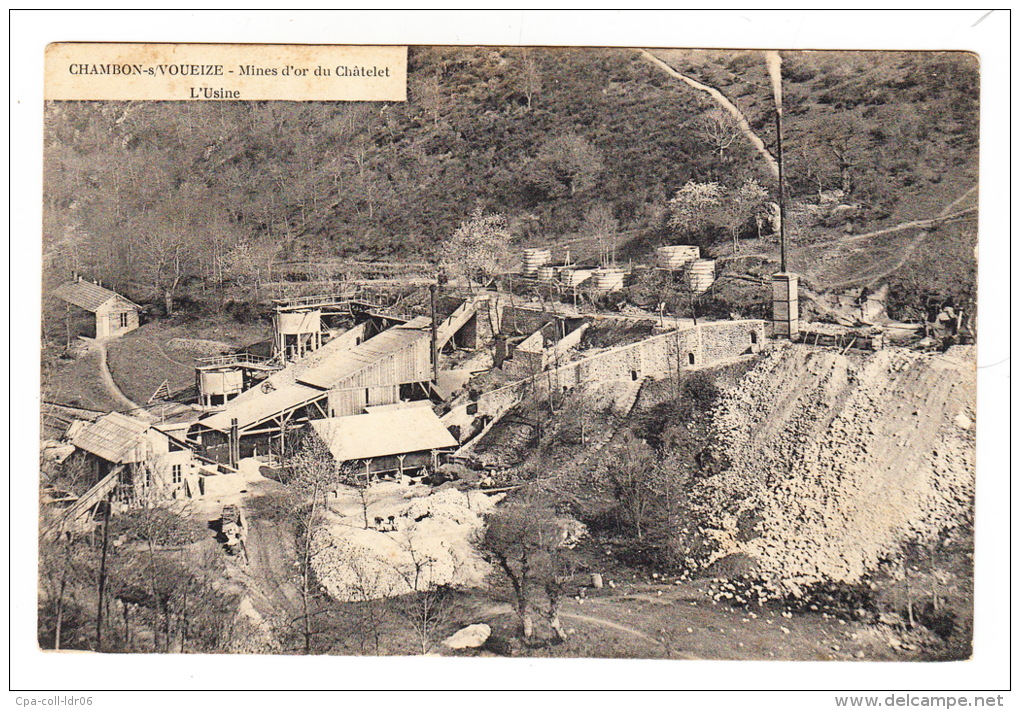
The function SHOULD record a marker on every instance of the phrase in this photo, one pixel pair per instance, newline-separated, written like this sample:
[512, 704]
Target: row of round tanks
[603, 280]
[535, 259]
[698, 274]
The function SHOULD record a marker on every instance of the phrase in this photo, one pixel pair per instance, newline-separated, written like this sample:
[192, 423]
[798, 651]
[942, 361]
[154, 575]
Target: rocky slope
[837, 460]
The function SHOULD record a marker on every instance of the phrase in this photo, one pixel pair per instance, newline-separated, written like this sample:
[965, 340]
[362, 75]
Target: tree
[312, 473]
[740, 207]
[529, 78]
[429, 95]
[429, 605]
[566, 165]
[719, 130]
[480, 248]
[600, 224]
[63, 570]
[156, 578]
[530, 545]
[839, 154]
[690, 211]
[370, 586]
[251, 262]
[579, 418]
[164, 257]
[633, 482]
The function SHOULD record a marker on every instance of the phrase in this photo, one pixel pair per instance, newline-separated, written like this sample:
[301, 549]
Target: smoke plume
[775, 64]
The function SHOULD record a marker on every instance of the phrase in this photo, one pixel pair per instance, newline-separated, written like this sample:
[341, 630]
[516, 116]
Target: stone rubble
[841, 459]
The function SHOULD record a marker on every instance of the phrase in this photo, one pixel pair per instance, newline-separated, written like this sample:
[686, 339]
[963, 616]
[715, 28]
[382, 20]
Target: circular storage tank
[701, 275]
[220, 382]
[534, 258]
[545, 273]
[675, 258]
[299, 323]
[608, 280]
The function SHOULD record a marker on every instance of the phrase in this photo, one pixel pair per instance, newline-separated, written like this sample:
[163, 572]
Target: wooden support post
[435, 335]
[234, 444]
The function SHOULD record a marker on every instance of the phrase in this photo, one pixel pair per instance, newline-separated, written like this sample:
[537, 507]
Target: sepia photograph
[576, 352]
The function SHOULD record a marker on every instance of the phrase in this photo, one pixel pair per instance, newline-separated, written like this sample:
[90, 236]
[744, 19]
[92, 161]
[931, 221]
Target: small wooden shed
[97, 312]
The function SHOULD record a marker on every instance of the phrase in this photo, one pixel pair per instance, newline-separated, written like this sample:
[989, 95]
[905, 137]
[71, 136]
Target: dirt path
[952, 205]
[901, 258]
[683, 622]
[723, 101]
[620, 627]
[271, 558]
[111, 386]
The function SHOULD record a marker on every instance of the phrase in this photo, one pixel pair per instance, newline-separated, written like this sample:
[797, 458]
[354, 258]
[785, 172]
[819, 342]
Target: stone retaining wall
[658, 356]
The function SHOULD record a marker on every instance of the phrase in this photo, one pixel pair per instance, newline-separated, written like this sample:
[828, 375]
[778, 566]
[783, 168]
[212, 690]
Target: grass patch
[76, 382]
[166, 350]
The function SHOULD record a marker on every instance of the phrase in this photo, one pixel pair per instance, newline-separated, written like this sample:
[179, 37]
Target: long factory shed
[340, 379]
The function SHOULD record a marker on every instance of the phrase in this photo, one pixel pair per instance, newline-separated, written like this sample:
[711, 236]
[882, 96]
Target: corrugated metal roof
[113, 437]
[344, 364]
[260, 405]
[396, 431]
[87, 295]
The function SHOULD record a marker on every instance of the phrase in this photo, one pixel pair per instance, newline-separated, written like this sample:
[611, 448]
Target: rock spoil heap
[839, 460]
[414, 538]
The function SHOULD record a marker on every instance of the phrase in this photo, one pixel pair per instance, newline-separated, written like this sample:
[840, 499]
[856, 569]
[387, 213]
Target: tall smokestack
[775, 67]
[785, 298]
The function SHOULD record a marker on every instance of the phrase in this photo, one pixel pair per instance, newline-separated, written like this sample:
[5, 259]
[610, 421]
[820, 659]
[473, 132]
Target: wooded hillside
[150, 195]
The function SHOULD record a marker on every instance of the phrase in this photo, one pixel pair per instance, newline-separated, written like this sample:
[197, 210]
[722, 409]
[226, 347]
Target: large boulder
[471, 636]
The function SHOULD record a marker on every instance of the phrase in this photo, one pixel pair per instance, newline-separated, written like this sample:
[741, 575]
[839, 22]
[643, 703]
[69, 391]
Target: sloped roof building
[112, 315]
[399, 438]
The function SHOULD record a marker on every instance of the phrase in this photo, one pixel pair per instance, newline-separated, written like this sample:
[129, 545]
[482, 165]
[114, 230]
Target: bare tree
[251, 262]
[371, 585]
[530, 546]
[312, 473]
[164, 258]
[157, 523]
[579, 418]
[62, 570]
[429, 93]
[719, 130]
[529, 78]
[429, 605]
[600, 224]
[633, 483]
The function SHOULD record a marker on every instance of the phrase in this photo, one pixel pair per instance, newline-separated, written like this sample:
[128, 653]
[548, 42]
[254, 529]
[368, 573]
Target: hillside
[140, 193]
